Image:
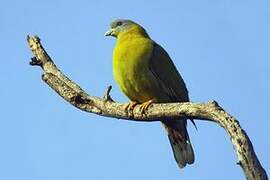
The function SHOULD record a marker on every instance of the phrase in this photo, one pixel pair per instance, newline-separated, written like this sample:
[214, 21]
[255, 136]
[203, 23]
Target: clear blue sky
[220, 47]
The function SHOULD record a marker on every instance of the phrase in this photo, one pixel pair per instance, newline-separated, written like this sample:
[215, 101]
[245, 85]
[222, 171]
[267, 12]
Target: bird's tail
[181, 146]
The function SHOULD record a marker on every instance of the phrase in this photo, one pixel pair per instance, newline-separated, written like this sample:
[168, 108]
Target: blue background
[220, 47]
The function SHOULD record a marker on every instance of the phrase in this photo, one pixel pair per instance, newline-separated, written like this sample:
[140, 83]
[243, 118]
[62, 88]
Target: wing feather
[164, 70]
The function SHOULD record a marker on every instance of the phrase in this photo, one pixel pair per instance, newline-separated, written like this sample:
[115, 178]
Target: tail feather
[180, 143]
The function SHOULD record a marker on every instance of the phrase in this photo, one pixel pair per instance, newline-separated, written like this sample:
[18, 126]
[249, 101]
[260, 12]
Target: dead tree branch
[105, 106]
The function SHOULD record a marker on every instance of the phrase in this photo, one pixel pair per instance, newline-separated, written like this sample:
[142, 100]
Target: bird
[146, 74]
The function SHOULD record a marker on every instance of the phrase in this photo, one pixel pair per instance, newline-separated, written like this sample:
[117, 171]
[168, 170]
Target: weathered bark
[105, 106]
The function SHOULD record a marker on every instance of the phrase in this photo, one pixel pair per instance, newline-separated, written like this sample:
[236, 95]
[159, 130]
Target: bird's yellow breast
[130, 67]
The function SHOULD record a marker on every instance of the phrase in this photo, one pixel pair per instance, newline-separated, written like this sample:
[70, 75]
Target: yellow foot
[130, 106]
[144, 106]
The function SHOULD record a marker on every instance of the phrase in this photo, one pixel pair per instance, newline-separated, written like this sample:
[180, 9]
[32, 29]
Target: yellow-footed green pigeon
[145, 73]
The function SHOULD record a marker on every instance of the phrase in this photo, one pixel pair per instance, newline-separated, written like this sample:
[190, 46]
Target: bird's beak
[109, 33]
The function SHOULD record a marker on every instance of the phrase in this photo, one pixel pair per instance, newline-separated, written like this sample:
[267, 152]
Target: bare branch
[209, 111]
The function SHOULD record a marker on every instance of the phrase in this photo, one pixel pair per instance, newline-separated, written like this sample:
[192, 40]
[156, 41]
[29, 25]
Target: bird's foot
[130, 106]
[144, 106]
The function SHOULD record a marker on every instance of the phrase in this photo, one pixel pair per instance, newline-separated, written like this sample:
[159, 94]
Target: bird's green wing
[164, 70]
[171, 83]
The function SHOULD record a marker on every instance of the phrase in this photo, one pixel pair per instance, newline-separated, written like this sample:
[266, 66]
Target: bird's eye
[119, 23]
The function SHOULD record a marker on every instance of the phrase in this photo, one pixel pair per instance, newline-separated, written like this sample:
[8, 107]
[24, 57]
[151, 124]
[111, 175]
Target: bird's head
[120, 27]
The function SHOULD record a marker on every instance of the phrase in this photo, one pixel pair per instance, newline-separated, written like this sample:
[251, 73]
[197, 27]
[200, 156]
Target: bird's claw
[129, 107]
[144, 106]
